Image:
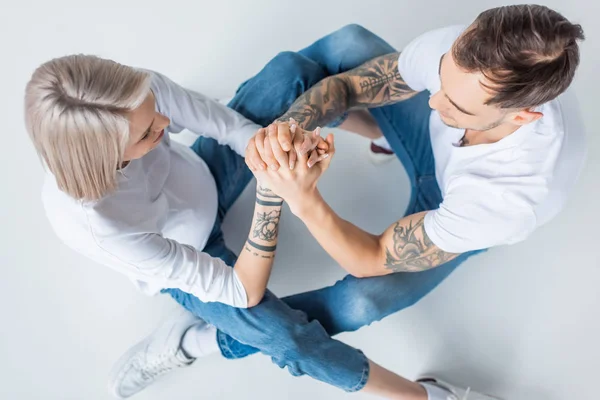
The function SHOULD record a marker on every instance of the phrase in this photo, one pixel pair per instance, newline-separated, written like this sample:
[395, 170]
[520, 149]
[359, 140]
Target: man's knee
[354, 33]
[289, 64]
[354, 45]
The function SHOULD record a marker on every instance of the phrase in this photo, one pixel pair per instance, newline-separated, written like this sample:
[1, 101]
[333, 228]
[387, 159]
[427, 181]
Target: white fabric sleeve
[419, 62]
[179, 266]
[475, 220]
[203, 116]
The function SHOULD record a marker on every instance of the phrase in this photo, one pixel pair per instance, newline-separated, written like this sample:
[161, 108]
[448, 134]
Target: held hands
[295, 185]
[282, 137]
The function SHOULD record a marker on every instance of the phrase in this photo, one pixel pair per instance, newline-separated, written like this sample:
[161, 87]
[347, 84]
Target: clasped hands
[289, 160]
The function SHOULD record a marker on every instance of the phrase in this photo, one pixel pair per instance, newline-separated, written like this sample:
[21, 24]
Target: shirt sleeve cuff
[242, 138]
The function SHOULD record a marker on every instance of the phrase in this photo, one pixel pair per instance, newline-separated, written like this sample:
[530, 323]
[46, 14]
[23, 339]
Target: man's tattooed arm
[409, 249]
[373, 84]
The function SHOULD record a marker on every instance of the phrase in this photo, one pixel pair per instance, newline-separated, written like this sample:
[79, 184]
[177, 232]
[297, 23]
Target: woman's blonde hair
[76, 115]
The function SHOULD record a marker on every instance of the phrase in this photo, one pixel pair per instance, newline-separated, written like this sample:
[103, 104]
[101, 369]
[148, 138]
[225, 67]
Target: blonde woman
[122, 193]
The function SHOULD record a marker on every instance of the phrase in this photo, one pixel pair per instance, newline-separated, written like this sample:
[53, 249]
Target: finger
[255, 150]
[331, 142]
[267, 154]
[298, 142]
[293, 157]
[322, 145]
[311, 140]
[312, 160]
[322, 156]
[280, 155]
[284, 137]
[304, 150]
[330, 153]
[248, 158]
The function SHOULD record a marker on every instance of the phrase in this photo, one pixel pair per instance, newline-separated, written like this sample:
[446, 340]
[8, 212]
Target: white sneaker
[153, 357]
[455, 393]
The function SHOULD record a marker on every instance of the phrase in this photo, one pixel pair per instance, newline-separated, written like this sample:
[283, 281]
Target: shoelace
[162, 364]
[465, 397]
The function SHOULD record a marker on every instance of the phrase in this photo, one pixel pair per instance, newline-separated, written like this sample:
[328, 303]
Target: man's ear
[525, 117]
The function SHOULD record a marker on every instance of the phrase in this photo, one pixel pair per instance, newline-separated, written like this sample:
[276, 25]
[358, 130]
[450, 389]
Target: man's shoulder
[419, 60]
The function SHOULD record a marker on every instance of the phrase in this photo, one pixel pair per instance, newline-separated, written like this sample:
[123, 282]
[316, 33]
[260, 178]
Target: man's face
[461, 100]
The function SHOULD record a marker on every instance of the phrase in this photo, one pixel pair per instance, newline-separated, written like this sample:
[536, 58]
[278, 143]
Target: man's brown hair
[528, 53]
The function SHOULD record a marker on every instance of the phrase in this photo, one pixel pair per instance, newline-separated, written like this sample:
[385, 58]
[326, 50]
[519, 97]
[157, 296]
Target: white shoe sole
[118, 370]
[379, 158]
[481, 396]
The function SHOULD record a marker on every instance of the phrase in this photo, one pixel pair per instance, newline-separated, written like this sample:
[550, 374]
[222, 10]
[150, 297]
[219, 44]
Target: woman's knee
[376, 299]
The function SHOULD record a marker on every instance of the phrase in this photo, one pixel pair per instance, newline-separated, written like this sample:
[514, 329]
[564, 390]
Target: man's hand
[298, 185]
[282, 136]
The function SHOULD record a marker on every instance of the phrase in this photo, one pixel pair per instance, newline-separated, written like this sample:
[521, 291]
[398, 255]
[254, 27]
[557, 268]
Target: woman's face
[146, 129]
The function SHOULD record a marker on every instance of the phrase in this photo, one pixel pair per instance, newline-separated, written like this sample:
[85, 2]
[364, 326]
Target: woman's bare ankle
[388, 385]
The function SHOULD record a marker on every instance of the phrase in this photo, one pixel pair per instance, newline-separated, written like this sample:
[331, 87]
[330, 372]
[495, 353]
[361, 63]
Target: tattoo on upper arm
[413, 250]
[373, 84]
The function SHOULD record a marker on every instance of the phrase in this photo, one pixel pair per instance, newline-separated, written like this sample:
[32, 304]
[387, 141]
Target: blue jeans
[296, 330]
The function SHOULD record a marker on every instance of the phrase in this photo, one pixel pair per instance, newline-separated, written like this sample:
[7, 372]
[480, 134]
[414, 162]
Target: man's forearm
[254, 264]
[375, 83]
[320, 105]
[357, 251]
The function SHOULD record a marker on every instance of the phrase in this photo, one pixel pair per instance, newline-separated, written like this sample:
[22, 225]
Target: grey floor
[520, 321]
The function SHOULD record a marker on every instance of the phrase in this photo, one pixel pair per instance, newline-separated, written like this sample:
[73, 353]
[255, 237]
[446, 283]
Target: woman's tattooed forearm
[266, 225]
[266, 192]
[267, 256]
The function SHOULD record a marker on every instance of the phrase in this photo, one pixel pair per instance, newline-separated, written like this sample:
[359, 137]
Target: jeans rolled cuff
[364, 377]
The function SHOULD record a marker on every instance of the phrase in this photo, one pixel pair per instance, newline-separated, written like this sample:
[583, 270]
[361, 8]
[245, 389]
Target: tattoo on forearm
[413, 251]
[267, 225]
[267, 249]
[373, 84]
[269, 203]
[266, 192]
[323, 103]
[254, 253]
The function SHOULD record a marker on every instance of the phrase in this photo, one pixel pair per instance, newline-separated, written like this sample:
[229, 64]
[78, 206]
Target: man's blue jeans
[296, 330]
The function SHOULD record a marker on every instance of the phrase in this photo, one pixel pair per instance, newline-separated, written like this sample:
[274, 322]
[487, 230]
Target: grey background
[518, 321]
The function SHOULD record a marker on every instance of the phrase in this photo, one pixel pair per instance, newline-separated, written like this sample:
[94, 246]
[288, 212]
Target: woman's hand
[296, 186]
[283, 137]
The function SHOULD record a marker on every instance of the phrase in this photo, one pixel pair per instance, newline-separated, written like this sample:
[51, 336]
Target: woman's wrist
[265, 193]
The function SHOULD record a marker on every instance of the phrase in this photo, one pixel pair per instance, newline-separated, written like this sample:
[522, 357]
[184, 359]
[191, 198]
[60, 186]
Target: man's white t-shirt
[154, 227]
[493, 194]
